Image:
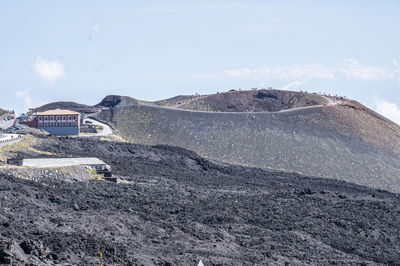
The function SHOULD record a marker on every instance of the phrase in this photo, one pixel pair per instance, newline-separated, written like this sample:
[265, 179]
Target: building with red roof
[59, 122]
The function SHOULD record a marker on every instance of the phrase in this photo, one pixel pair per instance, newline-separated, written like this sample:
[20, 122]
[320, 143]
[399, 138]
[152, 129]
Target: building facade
[59, 122]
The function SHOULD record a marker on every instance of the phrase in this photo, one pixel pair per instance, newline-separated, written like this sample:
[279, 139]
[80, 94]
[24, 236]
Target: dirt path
[104, 132]
[331, 102]
[6, 124]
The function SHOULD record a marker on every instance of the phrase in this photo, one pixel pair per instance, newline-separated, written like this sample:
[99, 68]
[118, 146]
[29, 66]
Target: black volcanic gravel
[177, 208]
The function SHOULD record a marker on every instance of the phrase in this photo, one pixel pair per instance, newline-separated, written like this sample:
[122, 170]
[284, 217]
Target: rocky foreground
[175, 208]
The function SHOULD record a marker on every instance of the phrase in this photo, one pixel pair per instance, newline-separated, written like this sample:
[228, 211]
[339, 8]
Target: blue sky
[84, 50]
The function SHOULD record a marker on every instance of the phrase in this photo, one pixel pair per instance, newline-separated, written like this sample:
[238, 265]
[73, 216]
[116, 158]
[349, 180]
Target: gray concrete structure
[6, 139]
[62, 131]
[93, 163]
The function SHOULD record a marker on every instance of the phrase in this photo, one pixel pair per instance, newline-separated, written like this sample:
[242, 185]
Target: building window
[45, 124]
[40, 118]
[69, 124]
[69, 117]
[59, 124]
[45, 118]
[63, 117]
[57, 117]
[52, 118]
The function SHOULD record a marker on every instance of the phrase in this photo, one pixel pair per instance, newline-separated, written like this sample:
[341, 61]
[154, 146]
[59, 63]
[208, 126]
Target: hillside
[2, 112]
[111, 101]
[245, 101]
[73, 106]
[233, 101]
[175, 208]
[344, 140]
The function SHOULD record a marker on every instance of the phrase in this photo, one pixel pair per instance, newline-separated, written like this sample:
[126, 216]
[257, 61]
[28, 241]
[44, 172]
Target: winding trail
[331, 102]
[104, 132]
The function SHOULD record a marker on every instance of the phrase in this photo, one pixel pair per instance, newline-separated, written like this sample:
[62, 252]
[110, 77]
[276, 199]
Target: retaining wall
[5, 139]
[62, 131]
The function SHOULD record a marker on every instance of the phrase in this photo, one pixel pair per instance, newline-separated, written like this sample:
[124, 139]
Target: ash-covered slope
[245, 101]
[176, 208]
[343, 140]
[232, 101]
[109, 101]
[73, 106]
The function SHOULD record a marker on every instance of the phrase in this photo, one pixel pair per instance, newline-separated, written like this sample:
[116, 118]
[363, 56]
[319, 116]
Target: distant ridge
[232, 101]
[109, 101]
[73, 106]
[245, 101]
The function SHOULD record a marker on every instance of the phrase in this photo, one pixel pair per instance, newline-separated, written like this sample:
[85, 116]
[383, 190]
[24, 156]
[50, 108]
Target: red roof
[58, 112]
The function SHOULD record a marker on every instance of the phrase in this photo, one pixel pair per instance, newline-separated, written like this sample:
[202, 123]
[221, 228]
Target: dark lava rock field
[176, 208]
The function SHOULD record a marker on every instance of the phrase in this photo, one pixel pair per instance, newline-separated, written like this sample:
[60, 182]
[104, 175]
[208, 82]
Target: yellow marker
[101, 258]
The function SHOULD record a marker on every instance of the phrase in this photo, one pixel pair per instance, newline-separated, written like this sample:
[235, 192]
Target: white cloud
[25, 96]
[93, 31]
[28, 100]
[288, 72]
[49, 70]
[294, 84]
[389, 110]
[397, 70]
[352, 69]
